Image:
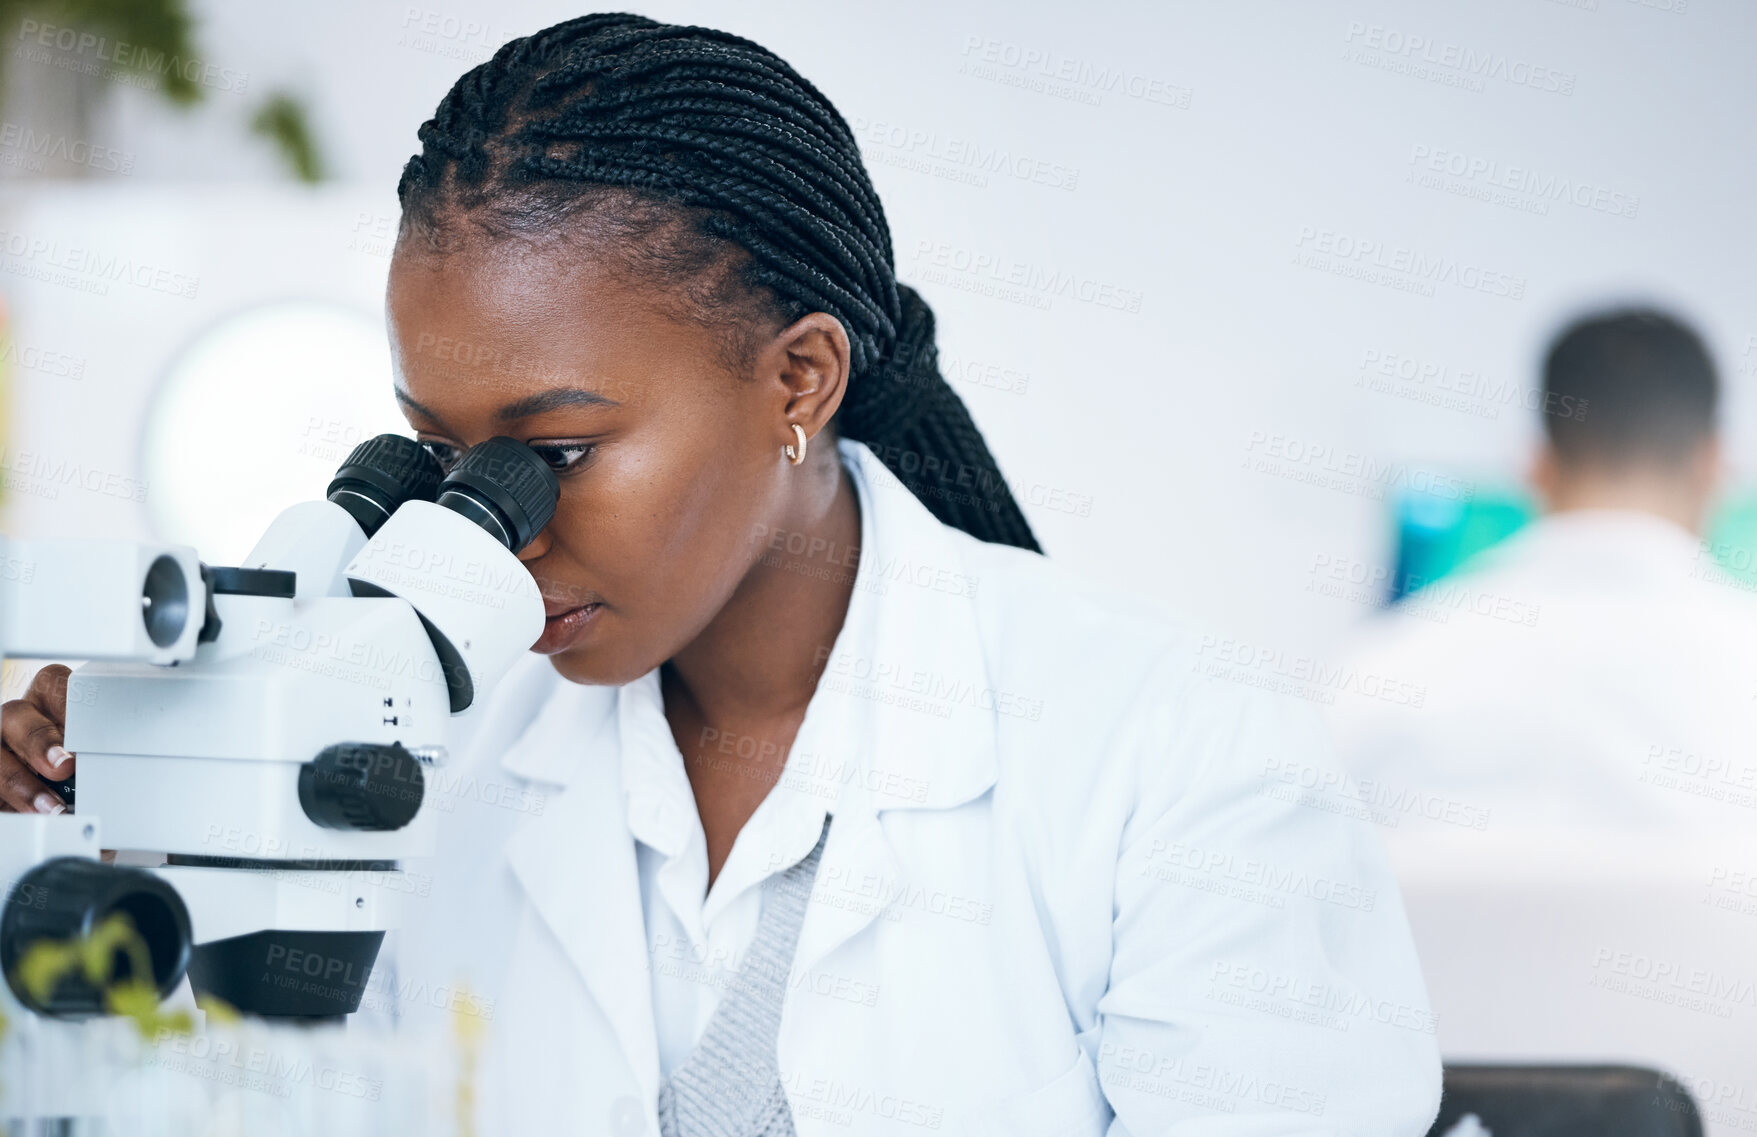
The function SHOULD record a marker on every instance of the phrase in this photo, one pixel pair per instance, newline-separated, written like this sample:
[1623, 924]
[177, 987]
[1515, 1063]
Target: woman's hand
[31, 753]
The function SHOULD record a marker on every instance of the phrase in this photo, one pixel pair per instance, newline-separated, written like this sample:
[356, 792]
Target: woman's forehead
[511, 345]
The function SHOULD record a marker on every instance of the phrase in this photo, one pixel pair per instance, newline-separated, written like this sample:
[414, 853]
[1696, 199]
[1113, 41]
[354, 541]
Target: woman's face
[670, 465]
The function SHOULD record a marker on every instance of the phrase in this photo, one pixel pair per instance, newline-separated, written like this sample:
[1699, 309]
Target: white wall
[1234, 128]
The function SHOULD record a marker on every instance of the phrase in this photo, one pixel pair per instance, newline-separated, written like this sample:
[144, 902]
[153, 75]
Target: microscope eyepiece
[380, 475]
[505, 488]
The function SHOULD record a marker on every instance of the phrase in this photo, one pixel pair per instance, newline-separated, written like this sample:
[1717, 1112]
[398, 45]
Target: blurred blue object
[1436, 535]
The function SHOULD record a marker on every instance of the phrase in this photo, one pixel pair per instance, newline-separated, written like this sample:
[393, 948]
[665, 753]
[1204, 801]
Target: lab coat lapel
[576, 863]
[856, 877]
[907, 713]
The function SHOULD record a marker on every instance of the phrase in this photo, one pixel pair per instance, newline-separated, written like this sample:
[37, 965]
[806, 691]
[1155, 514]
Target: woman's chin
[594, 668]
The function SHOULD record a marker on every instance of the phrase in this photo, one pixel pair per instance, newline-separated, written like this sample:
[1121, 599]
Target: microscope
[254, 741]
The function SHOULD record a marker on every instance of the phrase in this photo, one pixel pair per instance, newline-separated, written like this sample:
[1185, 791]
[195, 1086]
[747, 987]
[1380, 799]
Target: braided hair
[703, 161]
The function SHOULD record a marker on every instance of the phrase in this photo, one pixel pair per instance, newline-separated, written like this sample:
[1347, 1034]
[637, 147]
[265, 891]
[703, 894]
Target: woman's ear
[808, 363]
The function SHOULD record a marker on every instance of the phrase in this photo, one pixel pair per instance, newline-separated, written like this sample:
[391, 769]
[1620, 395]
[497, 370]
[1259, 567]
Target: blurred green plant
[93, 958]
[281, 119]
[160, 29]
[161, 41]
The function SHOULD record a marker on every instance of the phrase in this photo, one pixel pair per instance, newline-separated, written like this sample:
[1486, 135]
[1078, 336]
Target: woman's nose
[537, 547]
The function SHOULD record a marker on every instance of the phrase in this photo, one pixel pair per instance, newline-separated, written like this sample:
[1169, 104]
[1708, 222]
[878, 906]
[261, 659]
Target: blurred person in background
[1623, 695]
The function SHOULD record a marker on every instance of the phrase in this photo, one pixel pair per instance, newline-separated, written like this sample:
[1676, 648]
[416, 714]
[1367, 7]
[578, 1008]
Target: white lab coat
[1598, 670]
[1061, 892]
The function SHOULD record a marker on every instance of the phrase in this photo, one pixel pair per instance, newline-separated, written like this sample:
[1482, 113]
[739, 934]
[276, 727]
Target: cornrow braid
[657, 129]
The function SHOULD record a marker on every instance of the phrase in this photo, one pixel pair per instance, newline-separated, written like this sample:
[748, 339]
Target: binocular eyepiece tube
[500, 485]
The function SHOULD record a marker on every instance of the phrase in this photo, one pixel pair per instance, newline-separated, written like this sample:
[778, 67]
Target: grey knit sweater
[730, 1085]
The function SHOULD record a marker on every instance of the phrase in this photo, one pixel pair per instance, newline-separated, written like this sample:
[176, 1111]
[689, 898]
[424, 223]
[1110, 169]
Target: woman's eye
[562, 458]
[443, 454]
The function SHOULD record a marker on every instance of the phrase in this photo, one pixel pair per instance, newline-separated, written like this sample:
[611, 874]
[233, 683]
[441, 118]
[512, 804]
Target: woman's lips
[563, 630]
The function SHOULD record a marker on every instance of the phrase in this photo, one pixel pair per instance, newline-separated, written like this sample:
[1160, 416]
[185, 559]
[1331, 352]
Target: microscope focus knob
[362, 785]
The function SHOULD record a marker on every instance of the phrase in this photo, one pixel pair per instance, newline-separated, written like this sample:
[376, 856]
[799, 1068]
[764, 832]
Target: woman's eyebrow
[536, 404]
[553, 399]
[403, 398]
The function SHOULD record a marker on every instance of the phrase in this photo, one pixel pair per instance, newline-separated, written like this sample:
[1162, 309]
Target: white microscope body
[82, 599]
[270, 763]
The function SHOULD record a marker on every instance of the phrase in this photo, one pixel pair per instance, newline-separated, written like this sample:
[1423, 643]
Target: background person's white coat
[1597, 670]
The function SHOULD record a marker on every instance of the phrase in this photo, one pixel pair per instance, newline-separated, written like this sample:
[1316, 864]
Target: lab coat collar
[907, 709]
[904, 718]
[1604, 544]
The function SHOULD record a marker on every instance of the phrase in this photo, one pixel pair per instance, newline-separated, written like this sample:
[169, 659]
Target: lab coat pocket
[1071, 1105]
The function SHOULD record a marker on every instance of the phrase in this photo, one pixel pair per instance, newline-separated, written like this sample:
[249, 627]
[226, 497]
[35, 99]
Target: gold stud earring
[796, 454]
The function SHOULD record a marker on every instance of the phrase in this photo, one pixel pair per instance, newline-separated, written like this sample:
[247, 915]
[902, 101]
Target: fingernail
[57, 756]
[46, 803]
